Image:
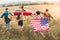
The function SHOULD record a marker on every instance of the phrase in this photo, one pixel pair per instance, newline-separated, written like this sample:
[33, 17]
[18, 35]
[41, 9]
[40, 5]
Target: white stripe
[35, 20]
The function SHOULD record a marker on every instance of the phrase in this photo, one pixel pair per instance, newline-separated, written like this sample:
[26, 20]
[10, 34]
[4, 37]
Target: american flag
[39, 24]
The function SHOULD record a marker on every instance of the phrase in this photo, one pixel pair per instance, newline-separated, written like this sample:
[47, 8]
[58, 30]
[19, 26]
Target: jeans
[8, 25]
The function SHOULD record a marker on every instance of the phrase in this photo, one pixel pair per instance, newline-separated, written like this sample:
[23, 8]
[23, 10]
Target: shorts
[20, 23]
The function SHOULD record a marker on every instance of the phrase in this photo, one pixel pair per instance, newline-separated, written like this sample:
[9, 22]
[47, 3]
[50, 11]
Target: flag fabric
[39, 24]
[44, 24]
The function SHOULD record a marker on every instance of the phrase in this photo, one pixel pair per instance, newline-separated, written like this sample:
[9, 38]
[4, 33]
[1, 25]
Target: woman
[20, 17]
[20, 20]
[35, 22]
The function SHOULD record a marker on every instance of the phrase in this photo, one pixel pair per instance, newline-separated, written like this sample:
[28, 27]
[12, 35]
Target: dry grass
[28, 34]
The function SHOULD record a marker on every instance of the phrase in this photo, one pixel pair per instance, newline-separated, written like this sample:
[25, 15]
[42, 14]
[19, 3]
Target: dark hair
[18, 16]
[37, 12]
[6, 9]
[46, 9]
[34, 13]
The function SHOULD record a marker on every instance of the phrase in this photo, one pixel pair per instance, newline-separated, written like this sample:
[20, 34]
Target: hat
[21, 6]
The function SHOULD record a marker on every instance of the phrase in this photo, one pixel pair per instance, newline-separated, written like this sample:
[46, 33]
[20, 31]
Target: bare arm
[48, 14]
[22, 15]
[51, 16]
[2, 15]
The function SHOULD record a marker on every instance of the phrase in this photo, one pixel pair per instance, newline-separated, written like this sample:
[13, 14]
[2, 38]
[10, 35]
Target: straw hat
[22, 6]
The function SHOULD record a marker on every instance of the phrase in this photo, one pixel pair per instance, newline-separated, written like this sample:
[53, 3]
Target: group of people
[40, 23]
[8, 17]
[46, 17]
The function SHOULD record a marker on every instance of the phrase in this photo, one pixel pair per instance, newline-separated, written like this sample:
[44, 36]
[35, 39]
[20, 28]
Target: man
[45, 20]
[47, 14]
[7, 20]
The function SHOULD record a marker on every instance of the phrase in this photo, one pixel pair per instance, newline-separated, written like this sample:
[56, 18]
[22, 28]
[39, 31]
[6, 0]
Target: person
[20, 20]
[45, 20]
[38, 25]
[7, 20]
[20, 17]
[46, 14]
[35, 22]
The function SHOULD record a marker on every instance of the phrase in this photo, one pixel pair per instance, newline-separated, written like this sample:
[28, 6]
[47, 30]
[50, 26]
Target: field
[27, 33]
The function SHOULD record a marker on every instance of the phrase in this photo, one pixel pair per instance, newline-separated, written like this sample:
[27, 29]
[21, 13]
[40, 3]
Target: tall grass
[28, 34]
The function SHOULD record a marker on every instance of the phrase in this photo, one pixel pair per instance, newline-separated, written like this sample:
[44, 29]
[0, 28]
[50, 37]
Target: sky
[8, 1]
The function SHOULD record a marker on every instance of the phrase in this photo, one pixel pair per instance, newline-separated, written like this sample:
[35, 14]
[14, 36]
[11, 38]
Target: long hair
[18, 16]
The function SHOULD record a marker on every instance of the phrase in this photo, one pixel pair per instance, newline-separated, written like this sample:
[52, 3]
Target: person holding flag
[35, 22]
[45, 20]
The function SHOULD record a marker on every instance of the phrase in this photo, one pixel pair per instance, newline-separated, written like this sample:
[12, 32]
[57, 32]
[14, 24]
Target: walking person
[46, 14]
[40, 23]
[7, 20]
[35, 22]
[20, 20]
[45, 20]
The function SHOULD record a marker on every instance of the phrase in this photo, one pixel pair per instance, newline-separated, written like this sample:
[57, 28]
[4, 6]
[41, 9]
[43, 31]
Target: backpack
[9, 16]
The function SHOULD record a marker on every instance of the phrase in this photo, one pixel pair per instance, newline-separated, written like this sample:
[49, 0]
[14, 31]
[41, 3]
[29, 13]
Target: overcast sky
[7, 1]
